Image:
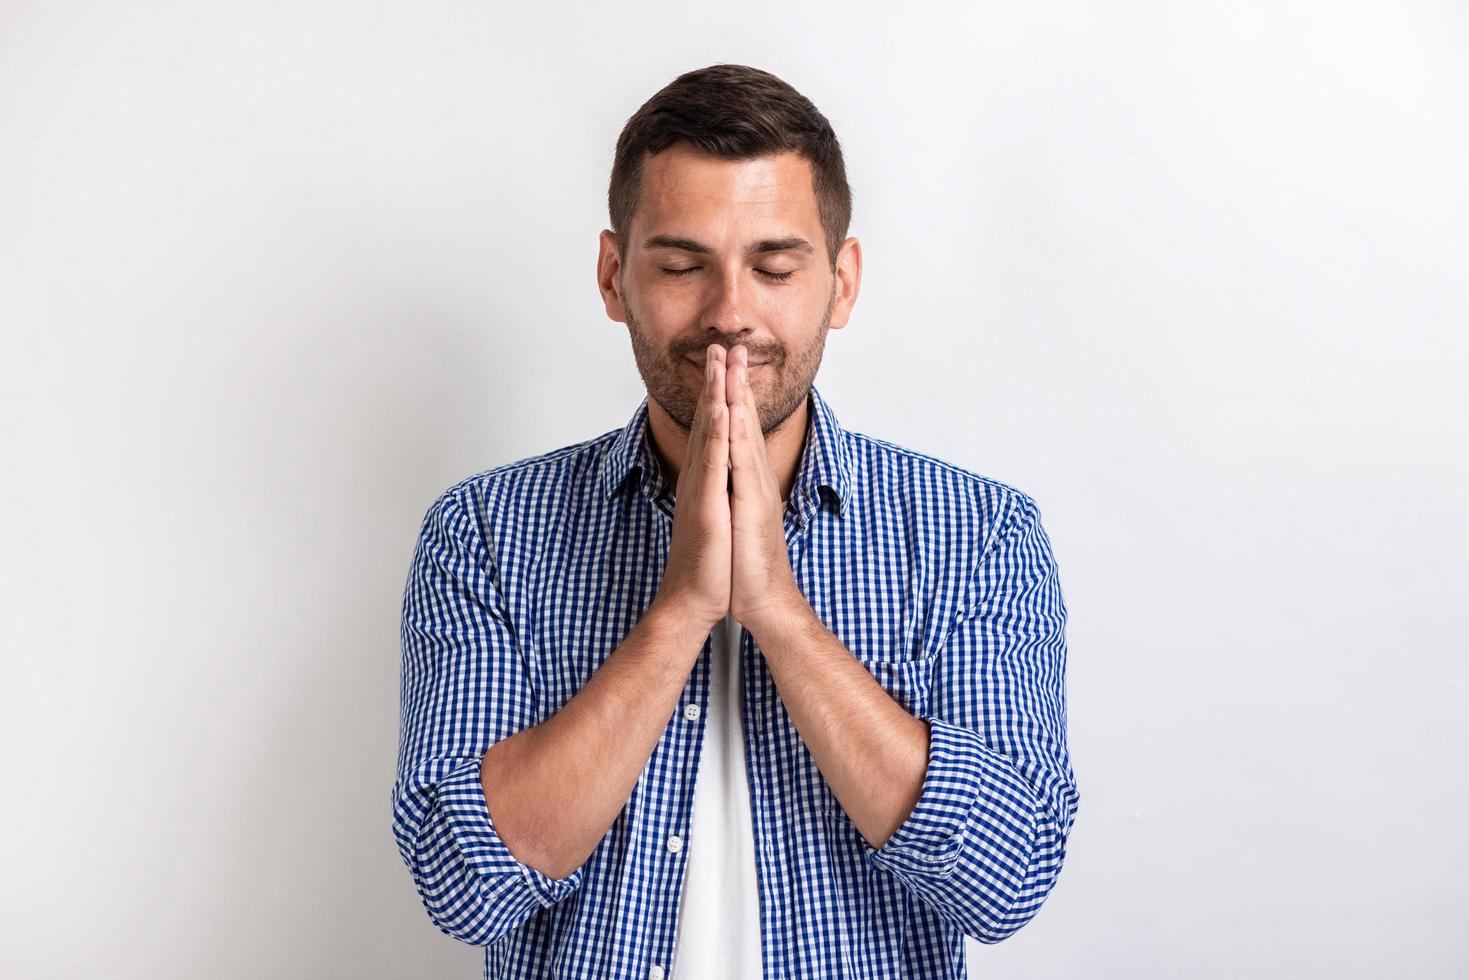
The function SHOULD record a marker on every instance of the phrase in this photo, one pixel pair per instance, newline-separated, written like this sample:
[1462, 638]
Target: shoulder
[994, 525]
[526, 486]
[966, 499]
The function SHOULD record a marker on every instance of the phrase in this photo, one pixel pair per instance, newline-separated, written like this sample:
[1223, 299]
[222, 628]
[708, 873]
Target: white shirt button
[655, 972]
[691, 712]
[675, 843]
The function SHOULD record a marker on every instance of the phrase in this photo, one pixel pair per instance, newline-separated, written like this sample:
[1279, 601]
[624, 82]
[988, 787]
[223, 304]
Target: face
[727, 252]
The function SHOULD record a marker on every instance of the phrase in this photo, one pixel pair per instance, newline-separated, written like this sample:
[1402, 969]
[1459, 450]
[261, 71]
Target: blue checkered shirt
[939, 581]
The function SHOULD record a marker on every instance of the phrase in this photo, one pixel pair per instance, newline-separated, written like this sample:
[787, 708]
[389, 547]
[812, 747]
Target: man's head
[729, 207]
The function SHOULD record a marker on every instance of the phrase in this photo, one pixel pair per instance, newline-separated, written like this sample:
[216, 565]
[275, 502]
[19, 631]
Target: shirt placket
[668, 846]
[759, 708]
[759, 705]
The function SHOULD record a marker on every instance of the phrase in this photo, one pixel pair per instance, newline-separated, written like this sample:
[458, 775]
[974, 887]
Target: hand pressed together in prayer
[763, 589]
[736, 561]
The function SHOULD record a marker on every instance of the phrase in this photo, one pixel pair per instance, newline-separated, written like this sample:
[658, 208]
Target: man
[732, 691]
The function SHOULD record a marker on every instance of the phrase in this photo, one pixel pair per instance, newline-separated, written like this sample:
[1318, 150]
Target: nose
[725, 312]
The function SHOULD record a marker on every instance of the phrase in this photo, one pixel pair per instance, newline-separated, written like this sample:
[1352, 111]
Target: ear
[848, 282]
[609, 265]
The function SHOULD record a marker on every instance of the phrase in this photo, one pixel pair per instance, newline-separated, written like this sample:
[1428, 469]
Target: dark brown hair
[734, 112]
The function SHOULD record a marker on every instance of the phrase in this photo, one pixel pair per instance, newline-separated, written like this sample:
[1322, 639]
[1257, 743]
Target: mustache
[756, 357]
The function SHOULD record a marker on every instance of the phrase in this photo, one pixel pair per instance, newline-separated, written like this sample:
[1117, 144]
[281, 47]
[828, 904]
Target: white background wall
[272, 275]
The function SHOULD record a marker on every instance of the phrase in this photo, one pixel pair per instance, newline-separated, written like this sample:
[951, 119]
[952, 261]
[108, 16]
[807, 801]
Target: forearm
[871, 751]
[554, 789]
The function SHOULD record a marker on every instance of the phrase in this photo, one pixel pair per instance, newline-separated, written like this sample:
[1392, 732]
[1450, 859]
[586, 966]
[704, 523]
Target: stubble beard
[676, 388]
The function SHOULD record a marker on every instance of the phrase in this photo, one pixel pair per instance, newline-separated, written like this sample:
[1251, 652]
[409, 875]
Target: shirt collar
[825, 459]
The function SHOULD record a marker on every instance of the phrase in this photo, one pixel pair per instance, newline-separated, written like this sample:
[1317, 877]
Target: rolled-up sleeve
[464, 687]
[986, 840]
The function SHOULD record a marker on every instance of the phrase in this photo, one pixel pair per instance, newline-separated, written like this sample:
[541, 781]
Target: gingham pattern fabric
[940, 581]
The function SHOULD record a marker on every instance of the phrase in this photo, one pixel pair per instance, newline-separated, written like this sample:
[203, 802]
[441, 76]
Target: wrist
[673, 622]
[788, 615]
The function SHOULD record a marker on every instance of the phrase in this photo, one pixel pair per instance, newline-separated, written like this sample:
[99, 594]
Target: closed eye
[774, 276]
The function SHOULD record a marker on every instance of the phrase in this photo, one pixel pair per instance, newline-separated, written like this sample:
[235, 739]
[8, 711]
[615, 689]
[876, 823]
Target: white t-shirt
[719, 910]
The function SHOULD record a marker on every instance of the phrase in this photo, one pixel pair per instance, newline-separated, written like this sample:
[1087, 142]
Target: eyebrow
[767, 245]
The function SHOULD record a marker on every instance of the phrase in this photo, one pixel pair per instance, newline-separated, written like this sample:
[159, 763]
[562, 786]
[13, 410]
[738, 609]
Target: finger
[715, 450]
[744, 423]
[699, 424]
[754, 436]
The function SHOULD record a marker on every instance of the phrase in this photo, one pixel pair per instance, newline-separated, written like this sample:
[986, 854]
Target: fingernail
[709, 369]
